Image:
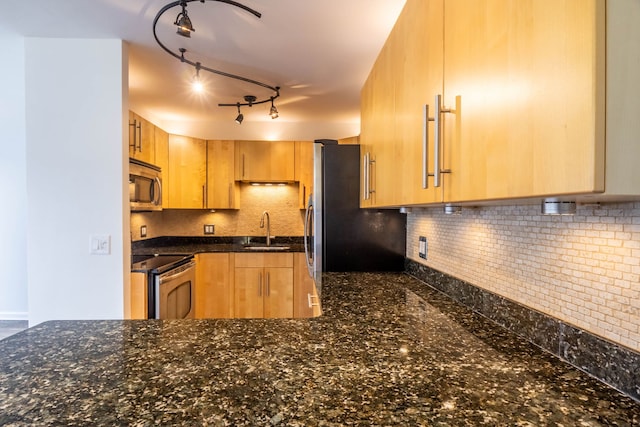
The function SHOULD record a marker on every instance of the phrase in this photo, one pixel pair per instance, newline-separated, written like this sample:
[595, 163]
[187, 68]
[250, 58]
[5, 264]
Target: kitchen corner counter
[388, 350]
[181, 245]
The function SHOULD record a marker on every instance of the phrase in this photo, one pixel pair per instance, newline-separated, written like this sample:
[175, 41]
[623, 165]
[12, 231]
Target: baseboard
[14, 315]
[609, 362]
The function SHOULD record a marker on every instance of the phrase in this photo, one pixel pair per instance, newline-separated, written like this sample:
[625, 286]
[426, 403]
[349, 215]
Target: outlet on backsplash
[143, 231]
[209, 229]
[422, 247]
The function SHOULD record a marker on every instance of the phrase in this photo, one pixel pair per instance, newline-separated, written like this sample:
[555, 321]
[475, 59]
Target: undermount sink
[266, 248]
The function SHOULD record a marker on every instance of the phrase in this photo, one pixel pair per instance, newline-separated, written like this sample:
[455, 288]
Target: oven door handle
[182, 270]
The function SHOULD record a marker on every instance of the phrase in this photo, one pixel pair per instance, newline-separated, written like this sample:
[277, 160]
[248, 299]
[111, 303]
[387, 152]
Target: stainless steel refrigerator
[339, 235]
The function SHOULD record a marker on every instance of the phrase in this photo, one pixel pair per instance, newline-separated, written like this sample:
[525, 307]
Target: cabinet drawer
[264, 260]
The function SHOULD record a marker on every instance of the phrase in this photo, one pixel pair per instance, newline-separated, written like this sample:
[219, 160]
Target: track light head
[185, 28]
[240, 117]
[274, 111]
[197, 83]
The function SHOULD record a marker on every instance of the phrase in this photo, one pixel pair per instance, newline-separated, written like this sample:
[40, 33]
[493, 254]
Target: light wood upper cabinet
[263, 285]
[420, 77]
[162, 161]
[407, 70]
[265, 161]
[524, 82]
[214, 286]
[223, 191]
[187, 173]
[377, 137]
[141, 138]
[304, 171]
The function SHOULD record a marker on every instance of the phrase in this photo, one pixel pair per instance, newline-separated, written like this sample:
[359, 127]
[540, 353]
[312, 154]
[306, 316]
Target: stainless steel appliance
[339, 235]
[171, 285]
[145, 186]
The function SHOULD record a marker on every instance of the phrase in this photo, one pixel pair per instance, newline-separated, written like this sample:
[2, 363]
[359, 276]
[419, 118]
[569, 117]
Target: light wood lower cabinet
[254, 285]
[263, 285]
[214, 292]
[135, 297]
[306, 301]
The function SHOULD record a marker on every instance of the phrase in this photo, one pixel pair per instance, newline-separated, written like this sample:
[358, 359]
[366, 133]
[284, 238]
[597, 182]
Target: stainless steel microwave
[145, 186]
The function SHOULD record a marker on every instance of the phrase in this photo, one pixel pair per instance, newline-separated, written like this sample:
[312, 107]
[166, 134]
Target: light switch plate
[422, 247]
[100, 244]
[209, 229]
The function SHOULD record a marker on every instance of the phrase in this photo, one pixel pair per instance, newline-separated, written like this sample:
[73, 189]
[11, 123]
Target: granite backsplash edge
[611, 363]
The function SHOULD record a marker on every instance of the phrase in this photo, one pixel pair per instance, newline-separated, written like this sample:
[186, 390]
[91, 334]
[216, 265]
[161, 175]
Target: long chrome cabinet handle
[425, 147]
[438, 146]
[365, 176]
[135, 127]
[259, 284]
[268, 287]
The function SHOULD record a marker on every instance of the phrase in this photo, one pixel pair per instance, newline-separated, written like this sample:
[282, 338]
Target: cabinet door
[141, 138]
[522, 77]
[222, 190]
[263, 285]
[187, 172]
[418, 81]
[304, 171]
[214, 292]
[135, 297]
[249, 292]
[278, 299]
[282, 160]
[378, 169]
[303, 288]
[265, 161]
[162, 161]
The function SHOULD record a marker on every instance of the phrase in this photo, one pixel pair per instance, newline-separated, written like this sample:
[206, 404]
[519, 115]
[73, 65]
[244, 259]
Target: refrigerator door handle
[307, 234]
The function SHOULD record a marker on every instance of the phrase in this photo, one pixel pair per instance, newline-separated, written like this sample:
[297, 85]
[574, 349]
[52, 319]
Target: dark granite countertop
[185, 245]
[389, 350]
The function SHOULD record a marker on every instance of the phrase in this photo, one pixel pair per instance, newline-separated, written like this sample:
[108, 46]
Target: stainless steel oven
[174, 292]
[170, 285]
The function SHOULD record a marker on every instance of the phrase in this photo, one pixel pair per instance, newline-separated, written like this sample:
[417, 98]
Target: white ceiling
[318, 51]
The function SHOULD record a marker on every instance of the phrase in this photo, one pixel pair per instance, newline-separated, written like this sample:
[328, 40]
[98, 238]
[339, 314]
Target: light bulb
[197, 86]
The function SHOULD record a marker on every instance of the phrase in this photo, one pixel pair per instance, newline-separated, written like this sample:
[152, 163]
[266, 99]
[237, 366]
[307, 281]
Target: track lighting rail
[185, 28]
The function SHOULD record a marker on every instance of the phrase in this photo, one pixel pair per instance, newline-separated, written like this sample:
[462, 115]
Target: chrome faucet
[265, 213]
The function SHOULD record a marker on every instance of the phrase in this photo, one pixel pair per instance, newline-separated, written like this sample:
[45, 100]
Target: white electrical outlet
[422, 247]
[100, 244]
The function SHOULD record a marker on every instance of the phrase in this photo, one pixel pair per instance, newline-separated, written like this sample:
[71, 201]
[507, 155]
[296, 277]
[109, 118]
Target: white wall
[76, 106]
[13, 182]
